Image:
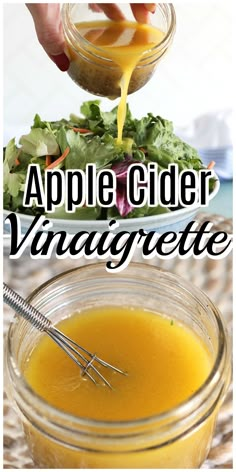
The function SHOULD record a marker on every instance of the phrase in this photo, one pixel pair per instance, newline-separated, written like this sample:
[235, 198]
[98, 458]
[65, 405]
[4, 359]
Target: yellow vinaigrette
[124, 43]
[165, 361]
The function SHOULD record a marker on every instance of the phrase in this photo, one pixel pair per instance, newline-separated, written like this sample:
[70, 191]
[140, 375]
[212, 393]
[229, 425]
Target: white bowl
[173, 221]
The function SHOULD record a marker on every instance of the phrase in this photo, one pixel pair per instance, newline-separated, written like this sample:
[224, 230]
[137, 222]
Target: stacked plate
[212, 135]
[223, 158]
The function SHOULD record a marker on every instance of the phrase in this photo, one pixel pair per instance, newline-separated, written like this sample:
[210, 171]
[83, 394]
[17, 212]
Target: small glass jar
[179, 438]
[98, 74]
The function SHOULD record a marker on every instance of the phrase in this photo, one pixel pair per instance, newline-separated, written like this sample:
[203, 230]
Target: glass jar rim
[178, 413]
[97, 51]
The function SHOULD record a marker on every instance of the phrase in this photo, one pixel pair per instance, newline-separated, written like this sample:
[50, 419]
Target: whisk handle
[23, 308]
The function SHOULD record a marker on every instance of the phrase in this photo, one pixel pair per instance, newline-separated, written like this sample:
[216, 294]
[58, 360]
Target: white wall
[195, 77]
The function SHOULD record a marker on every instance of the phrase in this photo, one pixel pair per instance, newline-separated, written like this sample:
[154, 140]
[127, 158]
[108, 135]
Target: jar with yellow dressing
[163, 331]
[104, 52]
[115, 58]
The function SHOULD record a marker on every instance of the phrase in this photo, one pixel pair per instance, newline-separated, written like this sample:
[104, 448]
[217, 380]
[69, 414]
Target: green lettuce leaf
[101, 121]
[38, 123]
[40, 142]
[12, 182]
[10, 154]
[91, 109]
[84, 150]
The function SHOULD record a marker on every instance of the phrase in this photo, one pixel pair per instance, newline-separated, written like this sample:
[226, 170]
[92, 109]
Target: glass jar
[98, 74]
[179, 438]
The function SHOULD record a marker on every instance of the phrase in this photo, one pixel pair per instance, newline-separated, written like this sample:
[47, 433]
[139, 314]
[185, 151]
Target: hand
[48, 25]
[140, 11]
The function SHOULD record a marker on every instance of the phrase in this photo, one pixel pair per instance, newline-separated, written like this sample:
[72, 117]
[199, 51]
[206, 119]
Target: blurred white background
[194, 78]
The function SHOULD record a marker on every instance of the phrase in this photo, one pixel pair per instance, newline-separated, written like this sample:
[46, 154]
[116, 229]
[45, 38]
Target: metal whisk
[83, 358]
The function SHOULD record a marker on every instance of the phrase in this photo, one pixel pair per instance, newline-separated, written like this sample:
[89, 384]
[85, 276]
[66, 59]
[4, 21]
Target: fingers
[140, 12]
[150, 7]
[95, 7]
[47, 20]
[111, 11]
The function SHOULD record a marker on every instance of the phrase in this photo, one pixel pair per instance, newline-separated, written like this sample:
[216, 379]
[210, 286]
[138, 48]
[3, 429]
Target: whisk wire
[70, 347]
[65, 341]
[63, 346]
[98, 359]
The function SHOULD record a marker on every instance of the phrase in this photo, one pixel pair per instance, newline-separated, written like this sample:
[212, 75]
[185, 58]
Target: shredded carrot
[211, 165]
[81, 130]
[48, 161]
[144, 150]
[59, 159]
[17, 162]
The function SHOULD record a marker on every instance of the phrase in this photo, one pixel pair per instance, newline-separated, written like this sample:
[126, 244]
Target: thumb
[48, 26]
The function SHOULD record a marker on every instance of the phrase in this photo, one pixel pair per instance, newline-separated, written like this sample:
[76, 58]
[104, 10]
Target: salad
[91, 138]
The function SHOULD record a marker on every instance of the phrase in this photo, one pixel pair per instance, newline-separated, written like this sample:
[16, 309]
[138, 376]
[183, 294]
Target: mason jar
[179, 438]
[89, 66]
